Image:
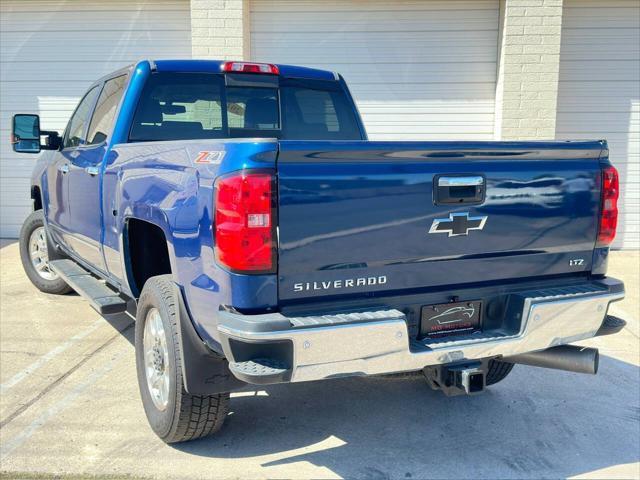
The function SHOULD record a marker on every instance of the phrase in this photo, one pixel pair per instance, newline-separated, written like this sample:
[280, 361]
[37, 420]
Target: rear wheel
[174, 414]
[497, 371]
[34, 254]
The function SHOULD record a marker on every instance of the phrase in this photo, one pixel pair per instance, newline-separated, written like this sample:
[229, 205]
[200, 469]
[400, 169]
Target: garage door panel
[599, 92]
[428, 136]
[598, 15]
[340, 6]
[429, 74]
[389, 74]
[464, 47]
[51, 51]
[69, 19]
[585, 125]
[17, 191]
[391, 52]
[97, 6]
[367, 22]
[455, 94]
[15, 171]
[432, 108]
[625, 46]
[347, 38]
[78, 71]
[605, 70]
[609, 103]
[432, 126]
[144, 48]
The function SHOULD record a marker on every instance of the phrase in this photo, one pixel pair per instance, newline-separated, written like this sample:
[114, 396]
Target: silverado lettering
[348, 283]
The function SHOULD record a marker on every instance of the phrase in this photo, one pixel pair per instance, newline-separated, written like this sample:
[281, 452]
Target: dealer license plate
[458, 318]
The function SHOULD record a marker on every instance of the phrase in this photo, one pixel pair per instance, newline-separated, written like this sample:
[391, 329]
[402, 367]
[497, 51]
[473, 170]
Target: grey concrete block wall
[528, 69]
[220, 29]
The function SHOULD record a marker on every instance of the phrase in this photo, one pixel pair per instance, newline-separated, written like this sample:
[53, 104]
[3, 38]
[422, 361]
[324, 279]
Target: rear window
[317, 110]
[179, 106]
[190, 106]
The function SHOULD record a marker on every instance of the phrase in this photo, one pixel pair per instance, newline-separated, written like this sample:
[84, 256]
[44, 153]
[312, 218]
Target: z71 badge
[209, 157]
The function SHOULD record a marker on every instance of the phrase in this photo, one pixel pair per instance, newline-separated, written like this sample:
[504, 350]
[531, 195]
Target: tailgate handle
[459, 189]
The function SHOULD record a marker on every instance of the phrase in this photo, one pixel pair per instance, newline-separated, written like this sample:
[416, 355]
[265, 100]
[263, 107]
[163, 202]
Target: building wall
[527, 76]
[539, 74]
[219, 29]
[51, 51]
[528, 68]
[429, 74]
[546, 87]
[599, 93]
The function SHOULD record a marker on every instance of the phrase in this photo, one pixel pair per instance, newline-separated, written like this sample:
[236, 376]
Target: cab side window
[78, 122]
[105, 111]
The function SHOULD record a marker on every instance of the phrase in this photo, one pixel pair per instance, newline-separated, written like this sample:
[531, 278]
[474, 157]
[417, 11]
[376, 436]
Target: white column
[220, 29]
[528, 69]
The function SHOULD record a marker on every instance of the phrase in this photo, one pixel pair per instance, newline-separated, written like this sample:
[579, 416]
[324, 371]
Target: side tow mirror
[26, 133]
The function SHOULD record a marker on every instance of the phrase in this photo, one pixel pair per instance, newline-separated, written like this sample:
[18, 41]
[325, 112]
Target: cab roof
[215, 66]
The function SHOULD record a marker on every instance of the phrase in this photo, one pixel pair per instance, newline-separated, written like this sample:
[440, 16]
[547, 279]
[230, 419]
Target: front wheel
[173, 414]
[34, 254]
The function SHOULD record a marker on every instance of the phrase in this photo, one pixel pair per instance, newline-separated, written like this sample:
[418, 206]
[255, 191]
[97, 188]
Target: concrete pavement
[69, 405]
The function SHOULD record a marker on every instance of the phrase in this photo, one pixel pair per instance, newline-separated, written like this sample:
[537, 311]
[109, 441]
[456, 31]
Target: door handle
[459, 189]
[93, 171]
[468, 181]
[64, 168]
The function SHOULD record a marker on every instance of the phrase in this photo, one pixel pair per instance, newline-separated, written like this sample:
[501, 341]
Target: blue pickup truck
[239, 212]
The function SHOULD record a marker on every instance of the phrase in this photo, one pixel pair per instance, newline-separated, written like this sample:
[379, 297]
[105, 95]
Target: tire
[497, 371]
[34, 251]
[173, 414]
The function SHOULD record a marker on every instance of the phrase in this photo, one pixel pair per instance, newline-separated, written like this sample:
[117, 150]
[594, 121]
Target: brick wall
[529, 62]
[220, 29]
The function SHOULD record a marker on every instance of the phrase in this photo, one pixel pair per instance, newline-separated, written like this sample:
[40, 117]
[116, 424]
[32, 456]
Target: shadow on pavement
[5, 242]
[122, 323]
[536, 423]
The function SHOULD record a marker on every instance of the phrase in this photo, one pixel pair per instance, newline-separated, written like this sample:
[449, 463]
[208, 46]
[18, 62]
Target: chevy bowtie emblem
[457, 224]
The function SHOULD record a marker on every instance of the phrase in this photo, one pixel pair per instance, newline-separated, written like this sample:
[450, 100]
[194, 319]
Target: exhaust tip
[571, 358]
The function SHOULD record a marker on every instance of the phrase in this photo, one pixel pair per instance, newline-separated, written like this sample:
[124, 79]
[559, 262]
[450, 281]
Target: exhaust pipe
[565, 357]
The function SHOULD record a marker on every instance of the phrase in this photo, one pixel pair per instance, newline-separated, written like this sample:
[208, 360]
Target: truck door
[58, 205]
[85, 176]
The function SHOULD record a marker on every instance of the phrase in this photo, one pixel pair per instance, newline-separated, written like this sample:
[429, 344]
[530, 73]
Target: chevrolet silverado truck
[239, 212]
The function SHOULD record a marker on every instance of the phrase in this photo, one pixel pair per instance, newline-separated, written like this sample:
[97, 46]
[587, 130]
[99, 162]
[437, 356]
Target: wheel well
[147, 253]
[36, 197]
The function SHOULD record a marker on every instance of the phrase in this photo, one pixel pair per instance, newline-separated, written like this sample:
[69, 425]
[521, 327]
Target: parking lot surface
[69, 405]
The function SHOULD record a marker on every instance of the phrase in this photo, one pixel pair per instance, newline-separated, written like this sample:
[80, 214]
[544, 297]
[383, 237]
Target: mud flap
[203, 371]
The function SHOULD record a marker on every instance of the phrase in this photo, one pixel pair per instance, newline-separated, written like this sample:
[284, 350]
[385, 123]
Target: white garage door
[52, 50]
[599, 93]
[418, 69]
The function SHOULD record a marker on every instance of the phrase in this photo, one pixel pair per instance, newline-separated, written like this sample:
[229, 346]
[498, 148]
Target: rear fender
[170, 184]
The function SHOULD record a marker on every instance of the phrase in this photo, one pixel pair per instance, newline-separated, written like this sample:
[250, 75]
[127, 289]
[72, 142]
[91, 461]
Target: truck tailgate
[356, 217]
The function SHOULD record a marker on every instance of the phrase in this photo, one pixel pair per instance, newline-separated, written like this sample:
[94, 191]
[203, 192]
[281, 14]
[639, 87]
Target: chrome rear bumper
[378, 342]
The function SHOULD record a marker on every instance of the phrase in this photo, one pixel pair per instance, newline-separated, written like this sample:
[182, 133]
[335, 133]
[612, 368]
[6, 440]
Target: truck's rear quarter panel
[170, 184]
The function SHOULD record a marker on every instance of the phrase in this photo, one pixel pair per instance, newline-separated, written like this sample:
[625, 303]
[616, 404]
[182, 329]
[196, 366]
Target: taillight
[244, 222]
[246, 67]
[608, 207]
